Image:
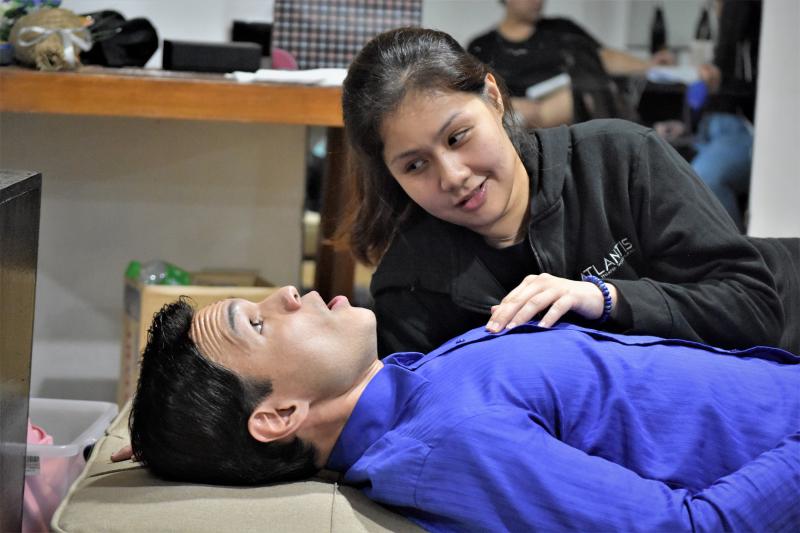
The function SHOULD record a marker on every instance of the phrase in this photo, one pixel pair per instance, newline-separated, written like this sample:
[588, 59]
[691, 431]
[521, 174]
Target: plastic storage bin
[50, 469]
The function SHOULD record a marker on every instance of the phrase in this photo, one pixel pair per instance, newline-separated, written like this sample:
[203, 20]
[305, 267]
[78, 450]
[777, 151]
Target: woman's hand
[557, 295]
[123, 454]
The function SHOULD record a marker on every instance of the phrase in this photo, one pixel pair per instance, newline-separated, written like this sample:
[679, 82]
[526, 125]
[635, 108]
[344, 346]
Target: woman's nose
[452, 173]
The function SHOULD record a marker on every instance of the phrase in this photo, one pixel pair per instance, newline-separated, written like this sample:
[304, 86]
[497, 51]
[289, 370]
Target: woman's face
[450, 154]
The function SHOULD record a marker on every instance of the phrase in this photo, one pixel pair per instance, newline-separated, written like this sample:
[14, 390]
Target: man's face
[527, 10]
[305, 347]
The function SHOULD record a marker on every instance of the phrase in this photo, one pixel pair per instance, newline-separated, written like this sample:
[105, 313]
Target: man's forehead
[212, 332]
[212, 317]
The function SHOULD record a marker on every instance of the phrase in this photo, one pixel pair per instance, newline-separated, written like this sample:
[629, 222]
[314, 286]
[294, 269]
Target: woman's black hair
[388, 67]
[189, 417]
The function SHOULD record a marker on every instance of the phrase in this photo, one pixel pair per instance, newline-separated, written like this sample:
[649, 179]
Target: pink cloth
[283, 60]
[42, 494]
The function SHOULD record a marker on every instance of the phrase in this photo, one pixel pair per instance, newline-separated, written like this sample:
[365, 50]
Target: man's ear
[493, 92]
[271, 421]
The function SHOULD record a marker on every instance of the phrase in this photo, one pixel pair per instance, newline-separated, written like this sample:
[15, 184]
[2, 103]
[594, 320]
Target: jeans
[724, 147]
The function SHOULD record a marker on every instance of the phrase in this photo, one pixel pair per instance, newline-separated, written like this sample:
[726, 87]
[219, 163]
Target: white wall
[466, 19]
[617, 23]
[775, 185]
[622, 24]
[199, 194]
[183, 19]
[681, 17]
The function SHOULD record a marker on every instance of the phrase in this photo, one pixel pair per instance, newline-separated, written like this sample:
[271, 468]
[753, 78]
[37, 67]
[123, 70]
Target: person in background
[472, 220]
[724, 139]
[530, 429]
[527, 49]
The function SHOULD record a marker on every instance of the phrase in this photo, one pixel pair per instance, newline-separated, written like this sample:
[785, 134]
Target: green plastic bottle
[157, 272]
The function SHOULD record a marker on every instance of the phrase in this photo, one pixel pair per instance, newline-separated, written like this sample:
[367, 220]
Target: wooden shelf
[164, 94]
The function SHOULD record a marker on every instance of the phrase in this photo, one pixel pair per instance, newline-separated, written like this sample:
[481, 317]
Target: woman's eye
[258, 325]
[414, 166]
[456, 138]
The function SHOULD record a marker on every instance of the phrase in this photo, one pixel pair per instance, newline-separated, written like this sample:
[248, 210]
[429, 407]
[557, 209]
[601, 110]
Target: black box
[253, 32]
[211, 57]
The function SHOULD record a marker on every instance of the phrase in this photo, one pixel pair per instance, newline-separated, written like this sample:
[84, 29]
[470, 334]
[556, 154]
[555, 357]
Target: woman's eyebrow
[438, 134]
[448, 122]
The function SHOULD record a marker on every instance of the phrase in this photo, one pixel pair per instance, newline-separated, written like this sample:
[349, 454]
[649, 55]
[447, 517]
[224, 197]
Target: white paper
[685, 74]
[548, 86]
[328, 77]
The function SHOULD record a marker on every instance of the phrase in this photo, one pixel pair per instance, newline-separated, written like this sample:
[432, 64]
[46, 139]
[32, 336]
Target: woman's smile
[473, 200]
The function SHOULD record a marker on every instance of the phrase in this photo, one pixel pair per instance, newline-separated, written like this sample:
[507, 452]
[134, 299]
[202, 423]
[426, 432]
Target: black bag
[118, 42]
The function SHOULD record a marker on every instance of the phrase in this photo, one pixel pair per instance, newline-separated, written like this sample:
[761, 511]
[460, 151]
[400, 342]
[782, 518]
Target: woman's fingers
[525, 300]
[535, 305]
[559, 308]
[545, 292]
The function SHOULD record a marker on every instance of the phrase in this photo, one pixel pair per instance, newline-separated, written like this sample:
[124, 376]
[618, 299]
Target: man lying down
[562, 428]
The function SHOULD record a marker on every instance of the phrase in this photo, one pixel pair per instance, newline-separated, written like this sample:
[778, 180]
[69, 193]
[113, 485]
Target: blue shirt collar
[384, 397]
[377, 410]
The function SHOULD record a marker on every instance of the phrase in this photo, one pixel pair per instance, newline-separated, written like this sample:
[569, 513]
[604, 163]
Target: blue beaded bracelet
[606, 296]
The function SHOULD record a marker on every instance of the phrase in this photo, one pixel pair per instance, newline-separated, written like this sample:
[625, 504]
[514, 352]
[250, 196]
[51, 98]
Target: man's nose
[287, 298]
[453, 173]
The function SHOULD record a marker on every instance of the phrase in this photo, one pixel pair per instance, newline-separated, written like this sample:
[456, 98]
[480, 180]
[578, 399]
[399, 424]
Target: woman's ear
[493, 93]
[270, 421]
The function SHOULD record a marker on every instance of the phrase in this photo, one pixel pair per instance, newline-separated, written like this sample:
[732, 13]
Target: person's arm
[552, 110]
[710, 75]
[619, 63]
[704, 280]
[505, 472]
[697, 277]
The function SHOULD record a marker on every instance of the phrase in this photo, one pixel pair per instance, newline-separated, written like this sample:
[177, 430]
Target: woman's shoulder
[613, 144]
[423, 252]
[420, 238]
[609, 128]
[606, 136]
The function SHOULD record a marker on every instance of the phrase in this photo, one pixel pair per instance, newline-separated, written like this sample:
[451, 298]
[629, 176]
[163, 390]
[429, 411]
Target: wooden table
[146, 93]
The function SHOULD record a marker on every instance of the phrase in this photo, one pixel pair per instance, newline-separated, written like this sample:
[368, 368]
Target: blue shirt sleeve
[500, 470]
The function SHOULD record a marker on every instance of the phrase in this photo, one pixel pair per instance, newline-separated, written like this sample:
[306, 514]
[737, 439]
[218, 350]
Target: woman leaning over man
[473, 221]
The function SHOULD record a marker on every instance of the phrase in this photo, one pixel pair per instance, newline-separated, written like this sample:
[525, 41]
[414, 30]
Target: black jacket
[736, 56]
[612, 199]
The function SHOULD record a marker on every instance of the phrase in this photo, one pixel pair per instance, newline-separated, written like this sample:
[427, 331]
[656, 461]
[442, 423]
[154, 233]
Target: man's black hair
[189, 416]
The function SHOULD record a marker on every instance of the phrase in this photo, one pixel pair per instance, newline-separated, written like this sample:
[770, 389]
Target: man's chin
[367, 315]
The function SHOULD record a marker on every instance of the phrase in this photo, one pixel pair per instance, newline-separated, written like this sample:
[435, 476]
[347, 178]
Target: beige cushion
[125, 497]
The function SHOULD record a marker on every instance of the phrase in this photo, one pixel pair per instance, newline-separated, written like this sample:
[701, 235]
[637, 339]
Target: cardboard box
[142, 302]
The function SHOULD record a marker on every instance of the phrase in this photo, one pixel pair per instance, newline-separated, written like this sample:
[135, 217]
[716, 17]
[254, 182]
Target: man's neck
[516, 30]
[330, 416]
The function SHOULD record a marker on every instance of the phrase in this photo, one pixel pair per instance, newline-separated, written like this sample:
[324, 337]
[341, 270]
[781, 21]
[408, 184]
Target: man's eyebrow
[232, 315]
[438, 133]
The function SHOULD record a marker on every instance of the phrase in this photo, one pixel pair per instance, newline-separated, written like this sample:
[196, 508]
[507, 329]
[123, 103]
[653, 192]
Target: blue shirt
[575, 429]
